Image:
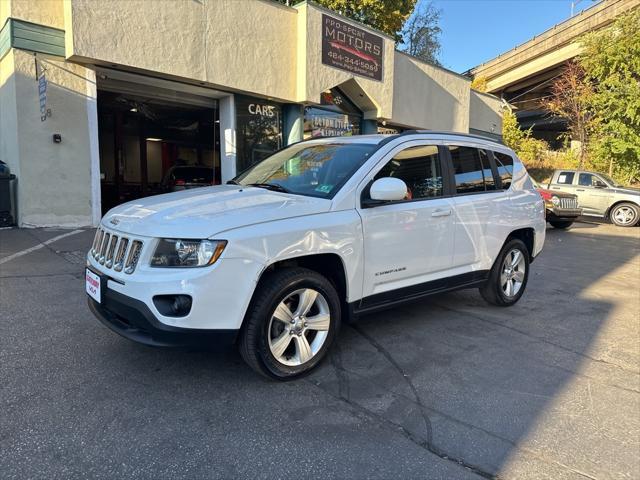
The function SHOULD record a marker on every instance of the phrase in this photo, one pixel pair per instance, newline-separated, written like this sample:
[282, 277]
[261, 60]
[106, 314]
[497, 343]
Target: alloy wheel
[299, 327]
[513, 273]
[624, 215]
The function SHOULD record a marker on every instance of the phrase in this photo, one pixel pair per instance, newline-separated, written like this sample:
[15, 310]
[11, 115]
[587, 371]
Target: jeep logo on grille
[114, 221]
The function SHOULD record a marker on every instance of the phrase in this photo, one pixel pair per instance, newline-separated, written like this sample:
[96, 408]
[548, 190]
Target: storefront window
[337, 116]
[258, 130]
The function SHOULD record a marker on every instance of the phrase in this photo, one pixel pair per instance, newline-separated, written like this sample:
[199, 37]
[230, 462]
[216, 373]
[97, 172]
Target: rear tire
[561, 223]
[291, 322]
[509, 275]
[625, 215]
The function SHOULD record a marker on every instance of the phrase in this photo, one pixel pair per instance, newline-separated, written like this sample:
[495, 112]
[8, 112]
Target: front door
[593, 194]
[408, 243]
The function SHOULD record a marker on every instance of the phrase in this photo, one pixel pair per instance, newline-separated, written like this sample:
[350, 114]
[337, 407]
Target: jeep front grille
[113, 251]
[566, 202]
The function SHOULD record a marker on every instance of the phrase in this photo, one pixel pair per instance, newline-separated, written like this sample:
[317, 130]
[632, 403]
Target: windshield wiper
[270, 186]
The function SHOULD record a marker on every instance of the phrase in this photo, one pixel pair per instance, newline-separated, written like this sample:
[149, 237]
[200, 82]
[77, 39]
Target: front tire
[625, 215]
[561, 223]
[509, 275]
[290, 324]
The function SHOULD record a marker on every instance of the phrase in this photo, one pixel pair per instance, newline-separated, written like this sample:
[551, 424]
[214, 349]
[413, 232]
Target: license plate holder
[94, 284]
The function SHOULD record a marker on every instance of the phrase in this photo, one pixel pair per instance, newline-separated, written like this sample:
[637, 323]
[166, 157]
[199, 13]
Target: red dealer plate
[92, 285]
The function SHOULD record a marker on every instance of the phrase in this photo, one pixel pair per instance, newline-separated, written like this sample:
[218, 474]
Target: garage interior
[145, 132]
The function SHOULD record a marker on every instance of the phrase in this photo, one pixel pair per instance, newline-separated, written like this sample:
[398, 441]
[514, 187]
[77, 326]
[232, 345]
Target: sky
[474, 31]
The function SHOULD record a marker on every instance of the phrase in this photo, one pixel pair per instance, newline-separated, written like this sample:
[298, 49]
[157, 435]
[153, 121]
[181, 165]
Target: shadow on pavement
[486, 390]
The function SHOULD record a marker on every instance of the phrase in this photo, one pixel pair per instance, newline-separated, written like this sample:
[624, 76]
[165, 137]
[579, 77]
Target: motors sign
[351, 48]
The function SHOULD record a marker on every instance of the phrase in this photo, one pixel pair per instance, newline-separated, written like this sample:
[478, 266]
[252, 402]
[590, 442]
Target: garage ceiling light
[152, 139]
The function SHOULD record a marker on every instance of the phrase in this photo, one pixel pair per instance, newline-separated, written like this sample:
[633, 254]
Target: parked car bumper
[132, 319]
[219, 294]
[563, 213]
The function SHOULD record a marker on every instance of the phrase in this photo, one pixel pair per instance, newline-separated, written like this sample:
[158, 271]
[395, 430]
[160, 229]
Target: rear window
[504, 164]
[472, 170]
[565, 178]
[193, 174]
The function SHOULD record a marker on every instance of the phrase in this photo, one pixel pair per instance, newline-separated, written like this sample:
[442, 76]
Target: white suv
[320, 231]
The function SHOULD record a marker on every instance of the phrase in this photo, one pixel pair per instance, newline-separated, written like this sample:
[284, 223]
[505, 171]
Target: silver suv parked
[600, 196]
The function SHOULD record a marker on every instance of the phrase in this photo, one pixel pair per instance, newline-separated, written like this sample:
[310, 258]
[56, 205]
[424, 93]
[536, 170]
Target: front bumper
[132, 319]
[563, 213]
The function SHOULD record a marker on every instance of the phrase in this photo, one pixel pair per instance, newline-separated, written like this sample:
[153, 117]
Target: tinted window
[472, 170]
[419, 168]
[566, 178]
[504, 163]
[317, 170]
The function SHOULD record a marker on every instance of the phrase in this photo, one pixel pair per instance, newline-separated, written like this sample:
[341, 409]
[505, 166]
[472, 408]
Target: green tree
[530, 150]
[420, 35]
[387, 16]
[611, 60]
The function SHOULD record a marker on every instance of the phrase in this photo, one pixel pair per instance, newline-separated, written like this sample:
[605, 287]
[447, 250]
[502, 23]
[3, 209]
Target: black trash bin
[8, 183]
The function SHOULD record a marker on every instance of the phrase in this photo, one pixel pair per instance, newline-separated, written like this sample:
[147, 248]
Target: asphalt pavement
[447, 388]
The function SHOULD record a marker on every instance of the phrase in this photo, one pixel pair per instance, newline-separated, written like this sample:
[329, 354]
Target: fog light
[173, 305]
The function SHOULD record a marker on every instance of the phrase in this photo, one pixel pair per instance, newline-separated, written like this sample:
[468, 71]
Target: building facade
[102, 102]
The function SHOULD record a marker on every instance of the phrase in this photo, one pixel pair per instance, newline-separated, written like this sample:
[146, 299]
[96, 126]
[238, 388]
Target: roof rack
[437, 132]
[457, 134]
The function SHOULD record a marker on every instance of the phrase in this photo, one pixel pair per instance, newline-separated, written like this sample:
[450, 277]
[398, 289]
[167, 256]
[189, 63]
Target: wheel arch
[329, 265]
[527, 235]
[620, 202]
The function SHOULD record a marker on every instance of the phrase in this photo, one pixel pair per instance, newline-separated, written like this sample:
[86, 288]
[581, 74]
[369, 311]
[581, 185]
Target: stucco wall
[426, 96]
[8, 115]
[239, 44]
[485, 113]
[54, 179]
[321, 77]
[5, 11]
[44, 12]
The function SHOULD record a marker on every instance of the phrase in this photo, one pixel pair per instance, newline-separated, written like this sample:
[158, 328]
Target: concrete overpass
[523, 75]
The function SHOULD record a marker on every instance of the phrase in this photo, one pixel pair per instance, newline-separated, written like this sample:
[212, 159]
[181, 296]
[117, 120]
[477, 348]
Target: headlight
[555, 200]
[187, 253]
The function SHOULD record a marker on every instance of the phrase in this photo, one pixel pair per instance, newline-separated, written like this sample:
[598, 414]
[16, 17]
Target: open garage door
[154, 140]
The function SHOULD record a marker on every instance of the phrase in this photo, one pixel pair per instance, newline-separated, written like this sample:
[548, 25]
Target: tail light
[179, 182]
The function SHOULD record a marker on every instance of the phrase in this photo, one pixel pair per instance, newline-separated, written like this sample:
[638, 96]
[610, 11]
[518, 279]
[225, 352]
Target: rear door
[477, 209]
[410, 242]
[565, 182]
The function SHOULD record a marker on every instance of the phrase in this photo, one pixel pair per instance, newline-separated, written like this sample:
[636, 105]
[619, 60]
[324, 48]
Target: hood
[207, 211]
[627, 190]
[557, 193]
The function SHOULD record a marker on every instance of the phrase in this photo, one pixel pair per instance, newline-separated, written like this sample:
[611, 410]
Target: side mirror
[388, 189]
[600, 185]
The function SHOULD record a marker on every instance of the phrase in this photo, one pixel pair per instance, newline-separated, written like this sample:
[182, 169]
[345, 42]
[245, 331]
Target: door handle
[441, 213]
[555, 188]
[579, 189]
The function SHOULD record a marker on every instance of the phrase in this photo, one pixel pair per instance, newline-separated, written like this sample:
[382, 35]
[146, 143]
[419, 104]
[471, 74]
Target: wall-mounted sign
[264, 110]
[42, 91]
[351, 48]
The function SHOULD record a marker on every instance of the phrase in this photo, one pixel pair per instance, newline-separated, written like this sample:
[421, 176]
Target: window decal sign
[351, 48]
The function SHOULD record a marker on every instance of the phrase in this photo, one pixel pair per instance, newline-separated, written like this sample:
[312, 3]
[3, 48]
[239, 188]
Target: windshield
[609, 180]
[315, 170]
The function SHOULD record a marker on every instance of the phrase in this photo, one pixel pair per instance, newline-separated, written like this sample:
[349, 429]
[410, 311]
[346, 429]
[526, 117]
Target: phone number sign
[351, 48]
